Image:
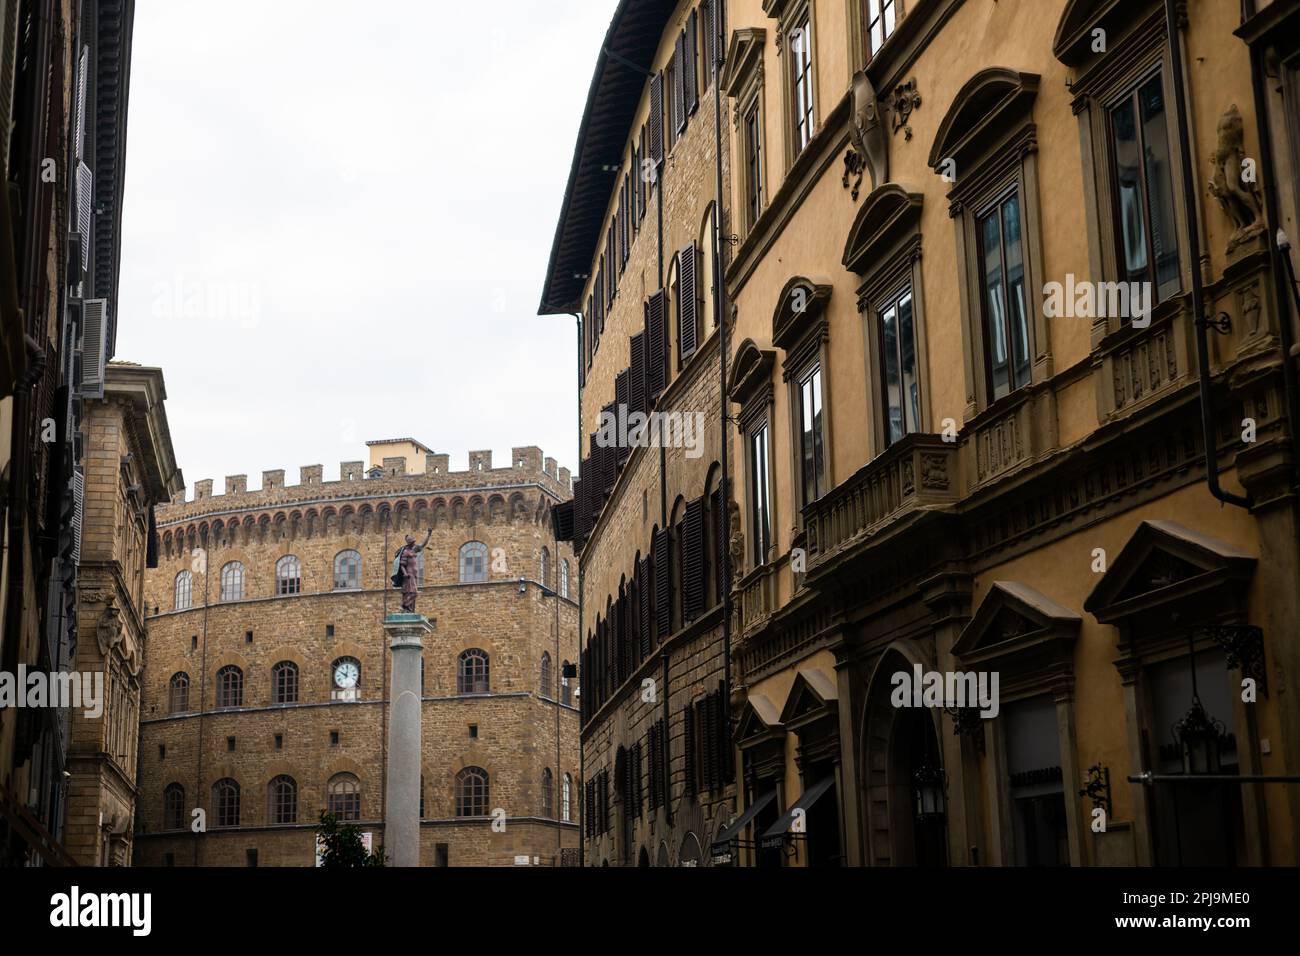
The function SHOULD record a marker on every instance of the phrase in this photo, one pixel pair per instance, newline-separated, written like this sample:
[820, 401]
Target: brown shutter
[693, 560]
[722, 558]
[623, 406]
[687, 301]
[643, 597]
[711, 742]
[679, 83]
[663, 584]
[636, 374]
[690, 66]
[656, 153]
[688, 746]
[609, 454]
[725, 769]
[656, 349]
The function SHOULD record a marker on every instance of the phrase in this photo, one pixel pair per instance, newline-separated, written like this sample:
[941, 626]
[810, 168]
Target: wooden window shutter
[641, 174]
[679, 90]
[688, 746]
[656, 348]
[612, 263]
[623, 404]
[636, 374]
[725, 768]
[693, 559]
[690, 66]
[656, 132]
[687, 302]
[653, 750]
[663, 584]
[711, 744]
[643, 596]
[609, 454]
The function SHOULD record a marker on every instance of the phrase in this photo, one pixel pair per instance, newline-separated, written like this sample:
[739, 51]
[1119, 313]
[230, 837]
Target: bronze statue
[406, 570]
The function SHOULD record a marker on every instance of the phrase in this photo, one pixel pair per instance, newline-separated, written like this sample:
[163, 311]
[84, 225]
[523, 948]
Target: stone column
[402, 814]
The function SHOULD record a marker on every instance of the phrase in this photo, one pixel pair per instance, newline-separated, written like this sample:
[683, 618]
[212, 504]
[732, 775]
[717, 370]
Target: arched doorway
[898, 744]
[690, 852]
[644, 858]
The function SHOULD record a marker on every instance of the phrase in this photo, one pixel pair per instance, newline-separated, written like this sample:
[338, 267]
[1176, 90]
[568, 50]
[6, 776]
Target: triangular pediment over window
[1165, 563]
[1016, 620]
[759, 720]
[744, 57]
[812, 696]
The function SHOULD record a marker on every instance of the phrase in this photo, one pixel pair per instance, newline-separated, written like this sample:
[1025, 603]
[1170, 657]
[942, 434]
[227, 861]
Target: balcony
[757, 598]
[917, 473]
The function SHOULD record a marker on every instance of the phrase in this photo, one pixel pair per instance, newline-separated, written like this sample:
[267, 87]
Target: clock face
[346, 674]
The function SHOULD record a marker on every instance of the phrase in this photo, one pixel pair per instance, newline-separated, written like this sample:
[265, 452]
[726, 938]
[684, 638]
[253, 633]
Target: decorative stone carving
[1238, 197]
[108, 632]
[902, 101]
[737, 540]
[867, 133]
[1248, 302]
[934, 472]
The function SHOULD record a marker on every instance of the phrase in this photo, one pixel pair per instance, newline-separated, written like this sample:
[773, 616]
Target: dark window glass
[283, 798]
[760, 502]
[284, 683]
[1006, 343]
[174, 807]
[472, 792]
[288, 575]
[225, 795]
[179, 696]
[345, 796]
[230, 686]
[812, 442]
[902, 393]
[753, 165]
[472, 674]
[802, 74]
[1144, 190]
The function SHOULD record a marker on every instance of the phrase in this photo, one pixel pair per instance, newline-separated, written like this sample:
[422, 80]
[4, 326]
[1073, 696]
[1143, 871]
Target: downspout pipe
[1190, 200]
[1279, 254]
[719, 312]
[582, 753]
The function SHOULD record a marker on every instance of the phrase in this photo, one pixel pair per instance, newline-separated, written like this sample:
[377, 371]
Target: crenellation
[437, 464]
[550, 467]
[394, 466]
[528, 458]
[352, 470]
[236, 484]
[480, 460]
[203, 489]
[310, 474]
[273, 479]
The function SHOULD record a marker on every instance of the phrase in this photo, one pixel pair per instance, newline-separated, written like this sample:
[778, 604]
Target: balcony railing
[757, 598]
[917, 472]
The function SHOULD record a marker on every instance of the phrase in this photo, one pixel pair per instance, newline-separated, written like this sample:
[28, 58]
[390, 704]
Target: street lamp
[1198, 734]
[928, 790]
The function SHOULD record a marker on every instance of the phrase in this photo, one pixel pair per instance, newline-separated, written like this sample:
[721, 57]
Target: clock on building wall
[346, 674]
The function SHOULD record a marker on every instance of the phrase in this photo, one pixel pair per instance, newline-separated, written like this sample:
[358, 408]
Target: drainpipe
[1190, 200]
[1278, 245]
[577, 559]
[719, 312]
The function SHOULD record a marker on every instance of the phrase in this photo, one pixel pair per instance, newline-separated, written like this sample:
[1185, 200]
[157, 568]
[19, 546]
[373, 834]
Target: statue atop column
[406, 571]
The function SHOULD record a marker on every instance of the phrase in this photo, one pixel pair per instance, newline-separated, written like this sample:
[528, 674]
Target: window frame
[178, 685]
[284, 691]
[238, 576]
[282, 812]
[229, 676]
[185, 577]
[288, 584]
[343, 796]
[476, 799]
[800, 76]
[482, 574]
[339, 561]
[468, 680]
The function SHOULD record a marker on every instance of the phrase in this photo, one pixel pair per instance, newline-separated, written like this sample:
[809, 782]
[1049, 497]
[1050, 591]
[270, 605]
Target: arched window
[232, 582]
[564, 579]
[546, 568]
[546, 690]
[282, 798]
[548, 794]
[472, 672]
[284, 683]
[566, 799]
[473, 562]
[345, 674]
[183, 594]
[230, 687]
[174, 807]
[225, 797]
[345, 796]
[178, 693]
[288, 575]
[566, 692]
[472, 792]
[347, 571]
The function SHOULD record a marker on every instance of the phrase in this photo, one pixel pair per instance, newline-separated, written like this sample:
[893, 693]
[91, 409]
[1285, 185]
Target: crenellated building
[265, 693]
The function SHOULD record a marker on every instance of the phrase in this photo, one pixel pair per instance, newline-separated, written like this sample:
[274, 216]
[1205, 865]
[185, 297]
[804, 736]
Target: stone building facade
[1001, 470]
[265, 692]
[997, 276]
[129, 468]
[638, 260]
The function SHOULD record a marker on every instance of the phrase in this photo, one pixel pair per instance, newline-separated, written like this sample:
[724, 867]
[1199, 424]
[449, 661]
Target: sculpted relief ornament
[867, 134]
[1237, 192]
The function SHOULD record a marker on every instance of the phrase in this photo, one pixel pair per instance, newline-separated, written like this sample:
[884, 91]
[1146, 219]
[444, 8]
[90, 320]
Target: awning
[733, 829]
[777, 831]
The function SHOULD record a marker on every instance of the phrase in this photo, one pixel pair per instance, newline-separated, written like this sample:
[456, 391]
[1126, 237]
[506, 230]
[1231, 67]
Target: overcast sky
[337, 220]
